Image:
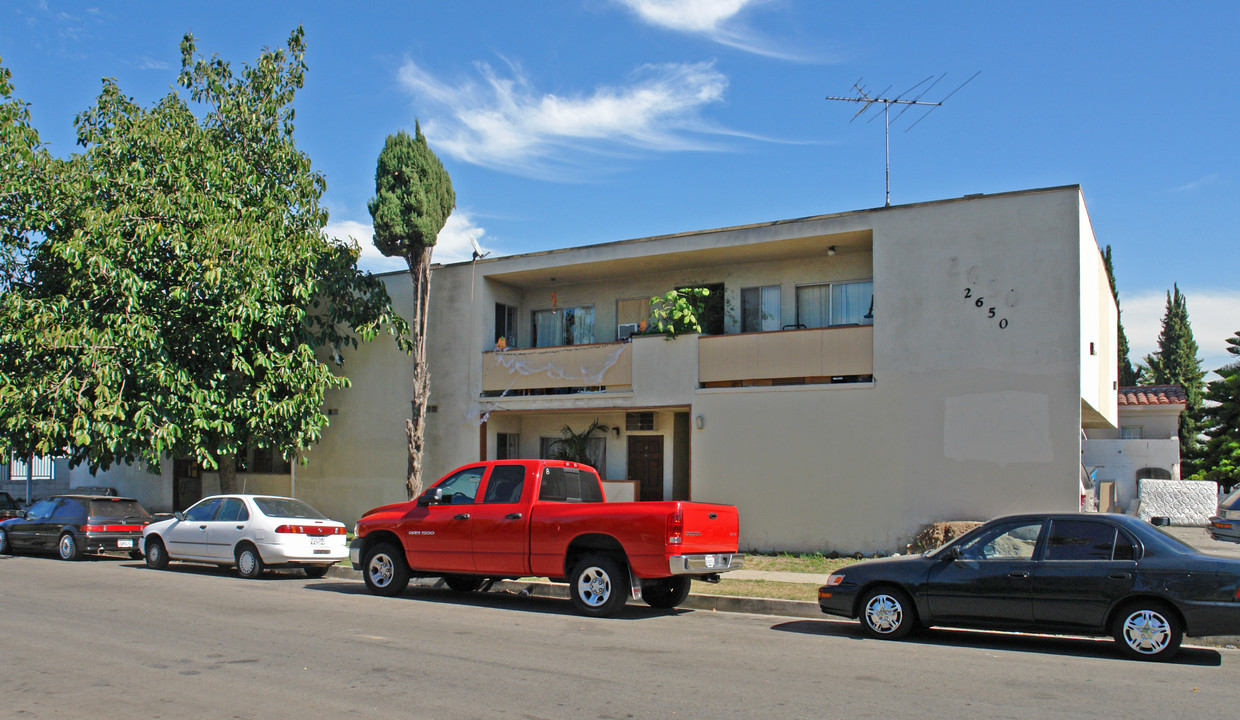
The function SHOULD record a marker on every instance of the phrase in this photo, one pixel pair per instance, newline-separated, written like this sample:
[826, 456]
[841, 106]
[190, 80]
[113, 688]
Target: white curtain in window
[850, 302]
[548, 328]
[813, 305]
[760, 310]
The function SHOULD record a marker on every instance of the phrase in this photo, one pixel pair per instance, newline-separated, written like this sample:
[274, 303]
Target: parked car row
[246, 532]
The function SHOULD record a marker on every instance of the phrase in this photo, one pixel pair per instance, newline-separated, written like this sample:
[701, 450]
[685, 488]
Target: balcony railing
[816, 355]
[606, 365]
[820, 355]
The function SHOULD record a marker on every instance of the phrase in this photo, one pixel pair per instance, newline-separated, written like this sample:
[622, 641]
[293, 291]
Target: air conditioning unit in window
[625, 330]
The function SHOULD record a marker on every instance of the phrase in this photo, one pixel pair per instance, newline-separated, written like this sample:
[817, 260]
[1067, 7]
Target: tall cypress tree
[1126, 373]
[1176, 363]
[1220, 460]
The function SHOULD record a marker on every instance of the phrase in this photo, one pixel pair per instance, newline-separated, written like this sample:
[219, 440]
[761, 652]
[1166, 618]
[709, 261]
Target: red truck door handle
[462, 516]
[513, 516]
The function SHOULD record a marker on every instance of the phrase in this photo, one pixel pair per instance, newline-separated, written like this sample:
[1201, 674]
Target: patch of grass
[759, 589]
[791, 562]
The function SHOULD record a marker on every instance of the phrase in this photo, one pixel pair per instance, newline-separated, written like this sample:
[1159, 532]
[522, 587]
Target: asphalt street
[111, 639]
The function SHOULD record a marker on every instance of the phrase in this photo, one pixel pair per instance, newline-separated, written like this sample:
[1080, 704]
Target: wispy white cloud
[505, 123]
[717, 20]
[452, 245]
[146, 63]
[1212, 314]
[1196, 184]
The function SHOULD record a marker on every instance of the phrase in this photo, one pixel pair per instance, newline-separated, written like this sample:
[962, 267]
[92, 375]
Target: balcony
[791, 356]
[673, 371]
[605, 365]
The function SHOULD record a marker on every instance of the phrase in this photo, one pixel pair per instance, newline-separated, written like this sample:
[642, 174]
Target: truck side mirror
[430, 497]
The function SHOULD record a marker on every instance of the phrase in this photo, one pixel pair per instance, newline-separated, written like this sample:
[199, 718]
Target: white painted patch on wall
[1000, 427]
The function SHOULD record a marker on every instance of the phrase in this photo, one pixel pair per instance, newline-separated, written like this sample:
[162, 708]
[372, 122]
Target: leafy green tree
[412, 202]
[24, 164]
[178, 295]
[1176, 363]
[1126, 373]
[1220, 459]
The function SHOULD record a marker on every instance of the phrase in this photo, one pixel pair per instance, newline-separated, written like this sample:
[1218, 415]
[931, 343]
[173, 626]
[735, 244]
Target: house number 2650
[980, 302]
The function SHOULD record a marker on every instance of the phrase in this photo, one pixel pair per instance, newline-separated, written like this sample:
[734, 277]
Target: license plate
[124, 543]
[317, 541]
[710, 561]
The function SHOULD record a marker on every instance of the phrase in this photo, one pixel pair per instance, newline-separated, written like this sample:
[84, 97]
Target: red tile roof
[1152, 395]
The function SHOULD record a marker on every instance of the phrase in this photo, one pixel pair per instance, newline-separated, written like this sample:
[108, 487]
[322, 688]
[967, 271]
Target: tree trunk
[415, 428]
[228, 474]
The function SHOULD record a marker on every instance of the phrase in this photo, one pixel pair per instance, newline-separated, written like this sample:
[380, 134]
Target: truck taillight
[675, 528]
[310, 530]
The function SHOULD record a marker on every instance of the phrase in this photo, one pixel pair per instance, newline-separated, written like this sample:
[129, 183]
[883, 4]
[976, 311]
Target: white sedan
[249, 532]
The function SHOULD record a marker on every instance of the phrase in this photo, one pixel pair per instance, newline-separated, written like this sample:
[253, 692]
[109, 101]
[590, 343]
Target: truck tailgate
[709, 528]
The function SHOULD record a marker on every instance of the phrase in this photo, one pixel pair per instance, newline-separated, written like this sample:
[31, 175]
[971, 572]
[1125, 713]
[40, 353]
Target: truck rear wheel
[666, 593]
[385, 571]
[599, 586]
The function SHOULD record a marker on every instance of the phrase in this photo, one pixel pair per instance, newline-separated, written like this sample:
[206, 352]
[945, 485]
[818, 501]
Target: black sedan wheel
[69, 548]
[887, 613]
[4, 542]
[1148, 631]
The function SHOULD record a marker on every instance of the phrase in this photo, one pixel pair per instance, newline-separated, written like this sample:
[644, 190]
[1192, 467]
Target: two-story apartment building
[859, 373]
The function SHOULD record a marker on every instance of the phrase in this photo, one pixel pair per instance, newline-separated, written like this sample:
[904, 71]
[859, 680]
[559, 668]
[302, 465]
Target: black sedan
[72, 525]
[1095, 574]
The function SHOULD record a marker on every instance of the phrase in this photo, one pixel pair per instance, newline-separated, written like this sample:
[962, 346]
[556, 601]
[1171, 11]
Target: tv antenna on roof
[868, 101]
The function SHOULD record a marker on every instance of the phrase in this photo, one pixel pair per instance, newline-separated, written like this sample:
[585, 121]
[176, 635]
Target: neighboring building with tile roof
[1145, 444]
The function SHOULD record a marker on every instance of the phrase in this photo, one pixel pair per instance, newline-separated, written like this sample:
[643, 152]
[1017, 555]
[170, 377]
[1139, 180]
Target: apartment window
[639, 421]
[1131, 432]
[506, 324]
[630, 313]
[262, 460]
[507, 446]
[830, 304]
[564, 326]
[596, 450]
[760, 309]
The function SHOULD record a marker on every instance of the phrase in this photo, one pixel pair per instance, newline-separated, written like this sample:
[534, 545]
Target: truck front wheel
[666, 593]
[385, 571]
[600, 586]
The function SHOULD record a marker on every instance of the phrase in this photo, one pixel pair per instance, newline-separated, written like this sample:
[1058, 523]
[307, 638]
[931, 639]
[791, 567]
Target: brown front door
[186, 484]
[646, 465]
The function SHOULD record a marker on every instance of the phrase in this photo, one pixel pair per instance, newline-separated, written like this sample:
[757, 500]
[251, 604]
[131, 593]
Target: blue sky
[571, 122]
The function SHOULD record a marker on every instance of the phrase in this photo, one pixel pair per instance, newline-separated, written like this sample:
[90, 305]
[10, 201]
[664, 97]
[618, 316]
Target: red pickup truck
[546, 518]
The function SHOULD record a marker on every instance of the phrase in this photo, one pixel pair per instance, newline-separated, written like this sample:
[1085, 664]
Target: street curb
[695, 601]
[698, 601]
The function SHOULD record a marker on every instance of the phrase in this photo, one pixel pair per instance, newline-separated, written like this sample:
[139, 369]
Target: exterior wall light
[699, 421]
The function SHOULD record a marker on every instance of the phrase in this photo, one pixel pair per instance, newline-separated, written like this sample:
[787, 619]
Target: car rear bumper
[705, 563]
[281, 554]
[112, 542]
[1224, 529]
